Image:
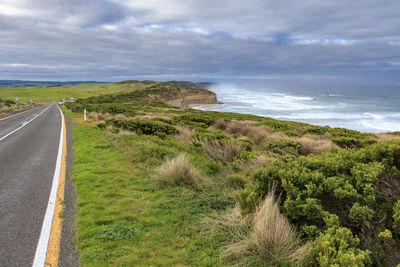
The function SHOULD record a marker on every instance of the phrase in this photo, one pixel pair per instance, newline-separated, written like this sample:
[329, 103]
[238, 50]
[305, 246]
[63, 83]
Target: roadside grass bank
[125, 219]
[160, 185]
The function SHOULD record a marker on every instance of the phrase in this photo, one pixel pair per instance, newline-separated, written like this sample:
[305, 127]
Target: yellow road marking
[53, 250]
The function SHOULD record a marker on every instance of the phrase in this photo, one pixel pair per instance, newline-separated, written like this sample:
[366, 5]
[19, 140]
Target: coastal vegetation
[9, 106]
[166, 185]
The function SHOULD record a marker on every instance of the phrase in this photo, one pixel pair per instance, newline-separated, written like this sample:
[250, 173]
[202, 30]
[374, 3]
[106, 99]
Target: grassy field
[125, 219]
[55, 94]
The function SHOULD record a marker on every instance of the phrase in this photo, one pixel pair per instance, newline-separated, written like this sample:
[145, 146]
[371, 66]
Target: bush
[178, 171]
[338, 247]
[145, 127]
[101, 125]
[194, 121]
[350, 139]
[316, 130]
[283, 146]
[396, 213]
[341, 183]
[235, 181]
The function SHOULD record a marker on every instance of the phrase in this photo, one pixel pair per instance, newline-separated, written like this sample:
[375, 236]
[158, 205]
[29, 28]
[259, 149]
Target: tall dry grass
[178, 171]
[260, 161]
[271, 238]
[221, 150]
[221, 124]
[386, 137]
[275, 238]
[258, 134]
[184, 135]
[315, 144]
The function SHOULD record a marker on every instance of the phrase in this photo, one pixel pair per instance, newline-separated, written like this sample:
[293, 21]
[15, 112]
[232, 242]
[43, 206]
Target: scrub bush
[145, 127]
[342, 184]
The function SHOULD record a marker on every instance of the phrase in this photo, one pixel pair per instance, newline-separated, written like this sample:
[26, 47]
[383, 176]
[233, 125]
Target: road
[29, 144]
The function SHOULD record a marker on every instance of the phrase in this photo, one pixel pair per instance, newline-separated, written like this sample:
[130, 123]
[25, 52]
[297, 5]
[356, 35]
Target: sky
[112, 40]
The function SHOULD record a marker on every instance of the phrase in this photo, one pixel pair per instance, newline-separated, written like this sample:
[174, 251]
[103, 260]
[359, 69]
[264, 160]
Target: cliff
[183, 97]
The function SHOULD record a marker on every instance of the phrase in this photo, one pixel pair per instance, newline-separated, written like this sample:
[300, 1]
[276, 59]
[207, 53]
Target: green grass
[54, 94]
[124, 219]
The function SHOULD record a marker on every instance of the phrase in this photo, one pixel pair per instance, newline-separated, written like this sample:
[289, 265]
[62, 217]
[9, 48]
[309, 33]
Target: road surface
[29, 144]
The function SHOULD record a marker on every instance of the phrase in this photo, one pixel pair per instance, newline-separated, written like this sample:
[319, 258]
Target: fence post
[84, 114]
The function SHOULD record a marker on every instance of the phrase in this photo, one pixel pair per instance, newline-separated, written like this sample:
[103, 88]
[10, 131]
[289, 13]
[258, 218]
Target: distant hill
[198, 85]
[33, 84]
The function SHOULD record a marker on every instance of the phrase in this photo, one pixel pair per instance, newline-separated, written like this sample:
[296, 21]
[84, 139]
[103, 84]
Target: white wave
[320, 116]
[300, 98]
[383, 126]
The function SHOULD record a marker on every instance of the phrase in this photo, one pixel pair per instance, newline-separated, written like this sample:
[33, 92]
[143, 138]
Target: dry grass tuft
[93, 115]
[315, 144]
[258, 134]
[184, 135]
[271, 237]
[275, 238]
[259, 161]
[218, 150]
[101, 117]
[386, 137]
[178, 171]
[221, 124]
[121, 117]
[152, 116]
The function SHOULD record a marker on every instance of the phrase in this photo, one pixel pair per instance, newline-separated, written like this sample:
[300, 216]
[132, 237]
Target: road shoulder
[68, 253]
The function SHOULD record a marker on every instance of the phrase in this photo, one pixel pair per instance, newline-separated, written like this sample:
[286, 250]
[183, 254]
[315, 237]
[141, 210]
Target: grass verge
[124, 220]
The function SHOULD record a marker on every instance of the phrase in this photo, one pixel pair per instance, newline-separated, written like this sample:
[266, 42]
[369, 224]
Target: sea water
[367, 109]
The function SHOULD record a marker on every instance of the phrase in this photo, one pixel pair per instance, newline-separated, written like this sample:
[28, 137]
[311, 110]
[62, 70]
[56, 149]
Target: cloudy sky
[112, 40]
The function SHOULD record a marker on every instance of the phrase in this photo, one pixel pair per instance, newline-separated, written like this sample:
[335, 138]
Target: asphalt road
[28, 152]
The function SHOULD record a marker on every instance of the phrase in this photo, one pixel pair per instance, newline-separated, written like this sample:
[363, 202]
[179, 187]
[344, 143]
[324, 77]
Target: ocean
[368, 109]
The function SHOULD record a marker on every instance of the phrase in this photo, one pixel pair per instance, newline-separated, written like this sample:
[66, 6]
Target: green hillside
[159, 185]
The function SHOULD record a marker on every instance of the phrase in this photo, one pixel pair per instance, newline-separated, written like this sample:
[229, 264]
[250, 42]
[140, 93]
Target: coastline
[336, 111]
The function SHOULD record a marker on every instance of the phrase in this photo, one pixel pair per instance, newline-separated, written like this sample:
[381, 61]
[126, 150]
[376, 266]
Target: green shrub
[145, 127]
[235, 181]
[338, 247]
[213, 168]
[396, 213]
[347, 142]
[316, 130]
[277, 125]
[338, 188]
[209, 136]
[350, 139]
[101, 125]
[195, 121]
[360, 213]
[282, 146]
[385, 234]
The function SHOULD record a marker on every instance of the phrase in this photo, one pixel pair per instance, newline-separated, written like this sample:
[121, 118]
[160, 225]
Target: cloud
[121, 39]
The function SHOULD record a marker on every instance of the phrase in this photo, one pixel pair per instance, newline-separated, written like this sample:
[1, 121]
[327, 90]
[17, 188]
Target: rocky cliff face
[186, 97]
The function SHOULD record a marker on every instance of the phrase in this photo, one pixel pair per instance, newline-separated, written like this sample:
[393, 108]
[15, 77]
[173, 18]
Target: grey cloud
[114, 40]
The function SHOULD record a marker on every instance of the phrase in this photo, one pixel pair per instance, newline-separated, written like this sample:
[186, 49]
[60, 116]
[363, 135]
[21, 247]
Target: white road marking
[41, 249]
[23, 125]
